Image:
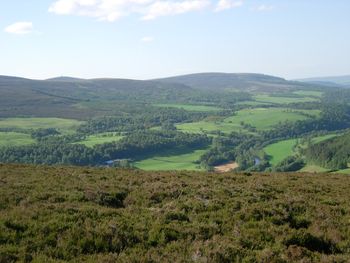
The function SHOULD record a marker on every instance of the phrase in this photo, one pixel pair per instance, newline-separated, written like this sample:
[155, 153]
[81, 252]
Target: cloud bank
[112, 10]
[20, 28]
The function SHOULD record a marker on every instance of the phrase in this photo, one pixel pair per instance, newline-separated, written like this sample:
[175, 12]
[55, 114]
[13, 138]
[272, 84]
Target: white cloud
[20, 28]
[166, 8]
[263, 8]
[227, 4]
[112, 10]
[147, 39]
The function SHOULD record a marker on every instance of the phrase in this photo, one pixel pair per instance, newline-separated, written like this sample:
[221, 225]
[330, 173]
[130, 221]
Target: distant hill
[338, 81]
[68, 96]
[60, 97]
[239, 81]
[63, 78]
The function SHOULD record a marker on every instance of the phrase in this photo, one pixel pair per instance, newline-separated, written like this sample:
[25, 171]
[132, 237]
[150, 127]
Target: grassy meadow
[63, 125]
[266, 118]
[309, 93]
[15, 139]
[322, 138]
[208, 126]
[172, 160]
[100, 138]
[345, 171]
[280, 150]
[260, 118]
[189, 107]
[283, 100]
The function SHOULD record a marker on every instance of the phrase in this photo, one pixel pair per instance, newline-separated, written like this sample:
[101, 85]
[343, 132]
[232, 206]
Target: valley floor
[80, 214]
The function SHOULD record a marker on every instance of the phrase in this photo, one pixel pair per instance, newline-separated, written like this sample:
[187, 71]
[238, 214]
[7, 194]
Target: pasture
[260, 118]
[208, 126]
[266, 118]
[309, 93]
[322, 138]
[282, 100]
[253, 103]
[15, 139]
[172, 160]
[345, 171]
[100, 138]
[190, 107]
[64, 126]
[280, 150]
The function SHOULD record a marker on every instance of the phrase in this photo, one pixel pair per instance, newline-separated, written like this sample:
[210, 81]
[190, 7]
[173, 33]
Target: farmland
[283, 100]
[260, 118]
[266, 118]
[92, 140]
[280, 150]
[309, 93]
[62, 125]
[15, 139]
[189, 107]
[172, 160]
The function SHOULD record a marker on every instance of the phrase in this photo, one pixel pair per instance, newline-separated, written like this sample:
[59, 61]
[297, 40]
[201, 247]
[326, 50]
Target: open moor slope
[56, 214]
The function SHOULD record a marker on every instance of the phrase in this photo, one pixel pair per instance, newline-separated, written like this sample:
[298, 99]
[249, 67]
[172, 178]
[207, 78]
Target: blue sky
[155, 38]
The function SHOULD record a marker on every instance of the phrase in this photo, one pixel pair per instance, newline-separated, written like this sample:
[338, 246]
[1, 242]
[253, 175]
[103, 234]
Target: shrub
[114, 200]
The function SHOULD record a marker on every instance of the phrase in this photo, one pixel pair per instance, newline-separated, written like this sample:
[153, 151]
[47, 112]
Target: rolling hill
[63, 97]
[84, 98]
[333, 81]
[238, 81]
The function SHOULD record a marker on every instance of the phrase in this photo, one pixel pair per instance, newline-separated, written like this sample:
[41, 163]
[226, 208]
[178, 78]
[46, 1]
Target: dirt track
[226, 167]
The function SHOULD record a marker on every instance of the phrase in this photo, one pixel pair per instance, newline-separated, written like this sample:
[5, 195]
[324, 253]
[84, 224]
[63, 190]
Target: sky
[144, 39]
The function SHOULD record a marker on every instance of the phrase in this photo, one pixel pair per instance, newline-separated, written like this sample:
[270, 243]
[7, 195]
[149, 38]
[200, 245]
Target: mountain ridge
[340, 81]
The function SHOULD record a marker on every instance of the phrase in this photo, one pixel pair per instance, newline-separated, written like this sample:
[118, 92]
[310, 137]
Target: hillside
[240, 81]
[340, 81]
[85, 98]
[51, 214]
[63, 97]
[333, 153]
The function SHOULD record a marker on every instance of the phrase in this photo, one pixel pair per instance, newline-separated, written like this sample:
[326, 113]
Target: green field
[15, 139]
[345, 171]
[280, 150]
[261, 118]
[208, 126]
[265, 118]
[253, 103]
[62, 125]
[282, 100]
[306, 93]
[172, 160]
[190, 107]
[322, 138]
[100, 138]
